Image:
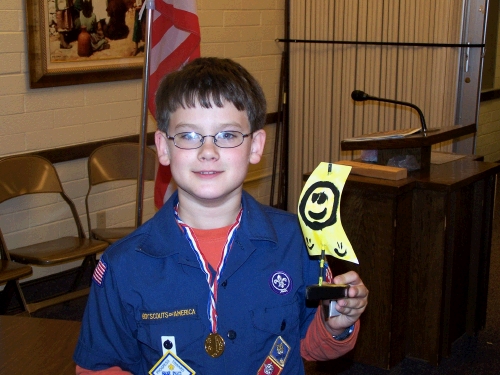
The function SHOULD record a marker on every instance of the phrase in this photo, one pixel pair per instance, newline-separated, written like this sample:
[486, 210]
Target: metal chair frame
[10, 273]
[116, 162]
[32, 174]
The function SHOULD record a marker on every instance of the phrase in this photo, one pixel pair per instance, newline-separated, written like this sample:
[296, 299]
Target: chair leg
[6, 296]
[73, 293]
[88, 261]
[12, 288]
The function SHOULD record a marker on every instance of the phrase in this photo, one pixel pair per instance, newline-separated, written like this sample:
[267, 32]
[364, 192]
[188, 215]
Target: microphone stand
[361, 96]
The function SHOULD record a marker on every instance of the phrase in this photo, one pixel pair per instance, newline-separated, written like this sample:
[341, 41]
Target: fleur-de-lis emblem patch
[280, 282]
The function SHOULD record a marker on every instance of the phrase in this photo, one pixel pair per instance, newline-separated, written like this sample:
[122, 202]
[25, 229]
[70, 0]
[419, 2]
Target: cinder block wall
[488, 134]
[39, 119]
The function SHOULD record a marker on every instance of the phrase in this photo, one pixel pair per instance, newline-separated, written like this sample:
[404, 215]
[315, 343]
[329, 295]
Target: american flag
[175, 40]
[99, 272]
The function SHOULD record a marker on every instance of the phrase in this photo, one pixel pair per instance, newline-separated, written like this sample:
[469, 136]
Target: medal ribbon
[212, 280]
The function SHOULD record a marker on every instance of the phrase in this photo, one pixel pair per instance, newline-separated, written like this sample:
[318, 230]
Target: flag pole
[149, 6]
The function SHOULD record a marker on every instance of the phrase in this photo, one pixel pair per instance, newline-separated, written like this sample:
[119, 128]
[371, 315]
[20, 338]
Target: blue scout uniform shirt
[150, 285]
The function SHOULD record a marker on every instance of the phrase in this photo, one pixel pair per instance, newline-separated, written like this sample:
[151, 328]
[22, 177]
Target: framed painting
[84, 41]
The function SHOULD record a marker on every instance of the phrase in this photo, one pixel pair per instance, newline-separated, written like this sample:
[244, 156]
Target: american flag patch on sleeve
[100, 272]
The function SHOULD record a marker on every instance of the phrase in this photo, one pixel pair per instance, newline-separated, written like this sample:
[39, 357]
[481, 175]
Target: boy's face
[210, 173]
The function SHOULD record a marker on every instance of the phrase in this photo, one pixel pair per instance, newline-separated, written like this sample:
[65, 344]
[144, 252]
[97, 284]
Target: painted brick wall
[488, 134]
[39, 119]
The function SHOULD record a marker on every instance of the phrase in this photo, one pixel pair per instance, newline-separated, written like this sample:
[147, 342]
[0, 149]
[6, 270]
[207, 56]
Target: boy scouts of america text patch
[100, 272]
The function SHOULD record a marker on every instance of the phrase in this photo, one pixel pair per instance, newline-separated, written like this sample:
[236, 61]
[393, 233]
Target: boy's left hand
[351, 308]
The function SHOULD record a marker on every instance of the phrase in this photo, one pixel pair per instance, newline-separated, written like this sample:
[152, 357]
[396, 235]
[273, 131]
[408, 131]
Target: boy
[214, 283]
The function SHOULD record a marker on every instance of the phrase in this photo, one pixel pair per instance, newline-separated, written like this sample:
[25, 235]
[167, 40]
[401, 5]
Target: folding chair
[21, 175]
[115, 162]
[10, 273]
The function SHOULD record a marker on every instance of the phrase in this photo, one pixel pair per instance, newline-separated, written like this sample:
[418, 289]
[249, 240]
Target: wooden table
[37, 346]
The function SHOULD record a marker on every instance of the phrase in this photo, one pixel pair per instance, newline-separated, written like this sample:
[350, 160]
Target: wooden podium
[423, 245]
[418, 145]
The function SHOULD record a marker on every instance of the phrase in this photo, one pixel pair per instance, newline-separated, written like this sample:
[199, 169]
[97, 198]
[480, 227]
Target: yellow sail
[319, 212]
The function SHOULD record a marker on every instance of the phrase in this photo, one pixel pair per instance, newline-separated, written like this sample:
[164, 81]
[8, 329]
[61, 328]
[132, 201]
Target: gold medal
[214, 345]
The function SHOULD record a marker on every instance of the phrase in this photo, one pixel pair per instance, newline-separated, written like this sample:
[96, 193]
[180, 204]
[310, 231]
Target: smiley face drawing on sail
[319, 212]
[319, 205]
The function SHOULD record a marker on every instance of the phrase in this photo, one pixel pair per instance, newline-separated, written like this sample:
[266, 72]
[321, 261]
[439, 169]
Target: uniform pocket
[276, 320]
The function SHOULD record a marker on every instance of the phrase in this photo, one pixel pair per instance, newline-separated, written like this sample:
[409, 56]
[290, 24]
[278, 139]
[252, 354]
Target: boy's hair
[209, 81]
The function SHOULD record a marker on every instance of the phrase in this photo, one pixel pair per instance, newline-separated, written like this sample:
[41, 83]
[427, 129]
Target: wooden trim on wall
[68, 153]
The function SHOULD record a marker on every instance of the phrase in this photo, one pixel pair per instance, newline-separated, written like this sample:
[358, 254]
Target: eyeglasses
[192, 140]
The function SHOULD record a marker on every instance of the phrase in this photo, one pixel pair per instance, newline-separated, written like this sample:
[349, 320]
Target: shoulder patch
[100, 272]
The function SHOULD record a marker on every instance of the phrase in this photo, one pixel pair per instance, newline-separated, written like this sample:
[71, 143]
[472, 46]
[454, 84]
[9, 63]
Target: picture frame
[51, 64]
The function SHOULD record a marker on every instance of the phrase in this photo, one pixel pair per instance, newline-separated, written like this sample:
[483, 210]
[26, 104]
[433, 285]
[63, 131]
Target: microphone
[361, 96]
